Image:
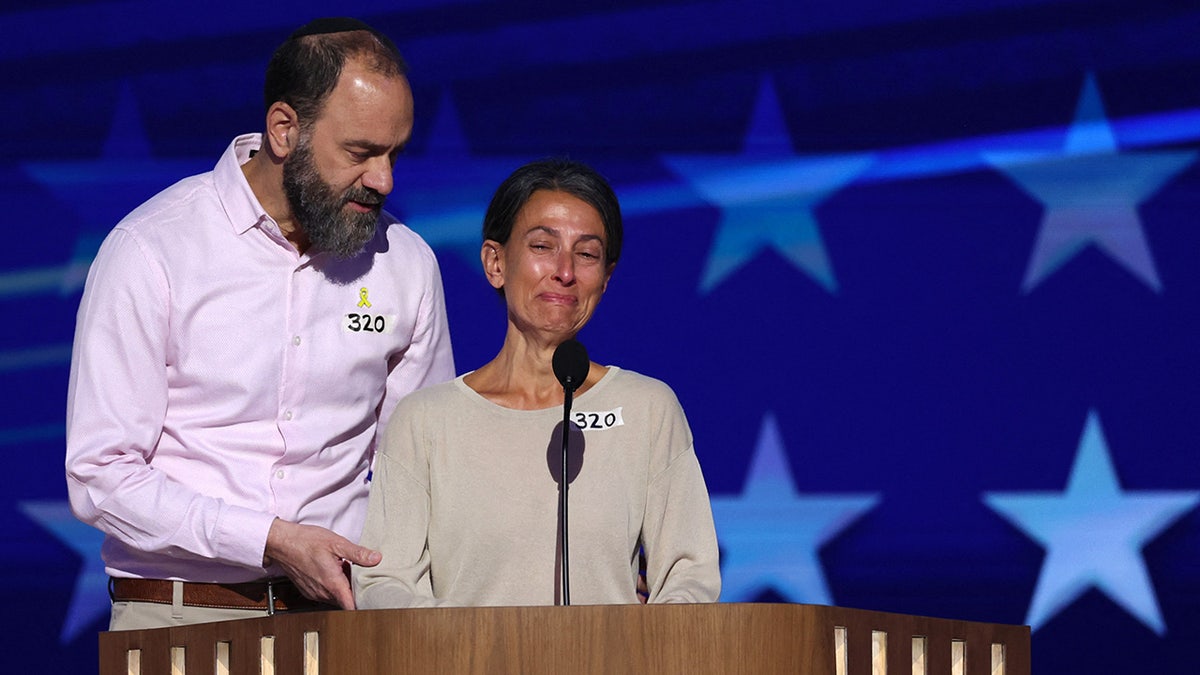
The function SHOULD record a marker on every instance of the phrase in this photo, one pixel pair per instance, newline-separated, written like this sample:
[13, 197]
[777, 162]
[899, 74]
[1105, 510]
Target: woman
[464, 501]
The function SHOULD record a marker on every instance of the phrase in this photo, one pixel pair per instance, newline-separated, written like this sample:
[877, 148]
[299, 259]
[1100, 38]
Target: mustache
[364, 196]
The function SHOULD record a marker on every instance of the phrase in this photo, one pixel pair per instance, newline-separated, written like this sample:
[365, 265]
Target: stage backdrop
[923, 274]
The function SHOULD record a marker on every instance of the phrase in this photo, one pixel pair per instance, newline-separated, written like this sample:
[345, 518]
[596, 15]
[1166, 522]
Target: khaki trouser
[138, 615]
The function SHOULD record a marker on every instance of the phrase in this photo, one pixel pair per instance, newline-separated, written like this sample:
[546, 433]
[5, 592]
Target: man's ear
[283, 129]
[492, 257]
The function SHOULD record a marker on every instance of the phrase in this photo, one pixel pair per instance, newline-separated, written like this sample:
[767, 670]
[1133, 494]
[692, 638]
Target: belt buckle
[270, 597]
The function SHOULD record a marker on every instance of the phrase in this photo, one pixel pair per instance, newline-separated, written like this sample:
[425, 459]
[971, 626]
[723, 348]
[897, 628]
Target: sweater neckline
[481, 400]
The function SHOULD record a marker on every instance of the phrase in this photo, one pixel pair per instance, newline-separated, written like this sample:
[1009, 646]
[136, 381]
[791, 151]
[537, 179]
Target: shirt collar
[240, 204]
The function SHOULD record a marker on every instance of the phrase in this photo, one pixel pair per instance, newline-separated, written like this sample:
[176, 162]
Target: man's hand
[313, 557]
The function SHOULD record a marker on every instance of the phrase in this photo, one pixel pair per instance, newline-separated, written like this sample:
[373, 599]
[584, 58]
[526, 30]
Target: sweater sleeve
[682, 558]
[397, 523]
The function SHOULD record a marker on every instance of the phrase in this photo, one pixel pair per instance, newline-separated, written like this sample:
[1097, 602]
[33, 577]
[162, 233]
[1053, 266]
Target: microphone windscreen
[571, 364]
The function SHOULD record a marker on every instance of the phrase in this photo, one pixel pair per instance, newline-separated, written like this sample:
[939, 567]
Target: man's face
[324, 213]
[340, 171]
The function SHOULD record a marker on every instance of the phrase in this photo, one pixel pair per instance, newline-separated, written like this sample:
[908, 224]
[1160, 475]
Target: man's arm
[315, 559]
[117, 400]
[429, 358]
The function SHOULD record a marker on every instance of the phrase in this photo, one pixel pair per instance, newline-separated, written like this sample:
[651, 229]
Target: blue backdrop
[922, 273]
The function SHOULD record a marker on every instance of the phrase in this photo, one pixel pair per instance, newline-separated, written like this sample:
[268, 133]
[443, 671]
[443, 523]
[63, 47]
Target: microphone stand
[571, 366]
[568, 392]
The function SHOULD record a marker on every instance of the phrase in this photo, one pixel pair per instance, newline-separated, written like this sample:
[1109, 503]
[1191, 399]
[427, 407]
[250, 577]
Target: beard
[322, 213]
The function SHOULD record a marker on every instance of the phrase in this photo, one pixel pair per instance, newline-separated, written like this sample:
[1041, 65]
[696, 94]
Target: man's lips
[364, 207]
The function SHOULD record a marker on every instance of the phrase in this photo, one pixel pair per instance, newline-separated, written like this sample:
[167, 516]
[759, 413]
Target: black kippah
[342, 24]
[331, 24]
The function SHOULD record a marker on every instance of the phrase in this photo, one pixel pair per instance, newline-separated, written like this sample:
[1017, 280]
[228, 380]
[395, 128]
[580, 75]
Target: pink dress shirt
[220, 379]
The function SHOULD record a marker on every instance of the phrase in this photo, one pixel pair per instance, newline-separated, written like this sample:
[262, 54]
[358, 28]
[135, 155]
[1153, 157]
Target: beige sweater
[464, 501]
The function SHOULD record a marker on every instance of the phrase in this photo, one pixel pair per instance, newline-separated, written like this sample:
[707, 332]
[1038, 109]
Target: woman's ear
[492, 257]
[607, 276]
[283, 129]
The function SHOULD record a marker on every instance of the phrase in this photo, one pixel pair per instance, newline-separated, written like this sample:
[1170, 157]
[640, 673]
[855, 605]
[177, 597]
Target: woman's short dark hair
[562, 175]
[306, 67]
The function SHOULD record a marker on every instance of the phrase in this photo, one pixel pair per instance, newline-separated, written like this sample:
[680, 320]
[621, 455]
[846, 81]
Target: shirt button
[279, 474]
[296, 340]
[287, 415]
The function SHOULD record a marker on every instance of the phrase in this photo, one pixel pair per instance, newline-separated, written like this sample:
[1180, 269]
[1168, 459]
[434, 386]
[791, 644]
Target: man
[241, 342]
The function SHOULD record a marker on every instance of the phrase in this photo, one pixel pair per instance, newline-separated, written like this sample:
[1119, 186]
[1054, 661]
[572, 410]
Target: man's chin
[346, 248]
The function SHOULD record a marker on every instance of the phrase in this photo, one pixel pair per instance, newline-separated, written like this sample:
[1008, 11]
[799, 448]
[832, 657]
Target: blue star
[770, 534]
[100, 192]
[1093, 533]
[1091, 193]
[89, 600]
[767, 196]
[446, 208]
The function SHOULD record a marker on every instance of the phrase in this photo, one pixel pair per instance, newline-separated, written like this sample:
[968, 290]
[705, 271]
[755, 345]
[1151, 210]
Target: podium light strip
[222, 658]
[312, 645]
[178, 660]
[839, 650]
[878, 652]
[958, 657]
[919, 643]
[266, 655]
[997, 658]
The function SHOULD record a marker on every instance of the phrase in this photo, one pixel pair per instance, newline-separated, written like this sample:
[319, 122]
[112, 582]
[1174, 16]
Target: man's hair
[561, 175]
[306, 67]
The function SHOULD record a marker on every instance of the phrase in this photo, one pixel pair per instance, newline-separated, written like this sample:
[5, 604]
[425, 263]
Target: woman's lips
[559, 299]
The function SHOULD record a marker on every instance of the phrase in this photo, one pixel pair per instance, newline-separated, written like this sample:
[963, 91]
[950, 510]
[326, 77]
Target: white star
[1093, 533]
[770, 534]
[767, 196]
[1091, 193]
[89, 600]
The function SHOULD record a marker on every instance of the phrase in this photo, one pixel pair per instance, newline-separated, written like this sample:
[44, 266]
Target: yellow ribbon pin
[362, 297]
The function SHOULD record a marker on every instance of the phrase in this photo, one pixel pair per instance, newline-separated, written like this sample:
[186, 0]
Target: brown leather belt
[272, 595]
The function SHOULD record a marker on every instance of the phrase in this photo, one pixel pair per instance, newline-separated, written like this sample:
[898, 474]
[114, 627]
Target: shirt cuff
[242, 535]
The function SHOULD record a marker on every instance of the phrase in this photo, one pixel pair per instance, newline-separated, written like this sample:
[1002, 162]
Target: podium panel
[749, 638]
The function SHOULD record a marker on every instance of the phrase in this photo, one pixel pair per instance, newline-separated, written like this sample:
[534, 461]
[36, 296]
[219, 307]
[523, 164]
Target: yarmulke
[331, 24]
[342, 24]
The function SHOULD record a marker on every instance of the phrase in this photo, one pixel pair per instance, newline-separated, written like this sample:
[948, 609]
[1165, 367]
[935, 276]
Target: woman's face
[553, 270]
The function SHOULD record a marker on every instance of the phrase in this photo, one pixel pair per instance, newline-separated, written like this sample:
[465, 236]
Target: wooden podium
[661, 639]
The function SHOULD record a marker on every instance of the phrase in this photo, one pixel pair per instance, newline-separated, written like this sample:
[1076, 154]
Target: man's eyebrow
[373, 146]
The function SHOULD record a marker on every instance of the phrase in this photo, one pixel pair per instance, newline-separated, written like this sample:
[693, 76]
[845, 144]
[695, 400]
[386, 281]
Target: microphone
[571, 365]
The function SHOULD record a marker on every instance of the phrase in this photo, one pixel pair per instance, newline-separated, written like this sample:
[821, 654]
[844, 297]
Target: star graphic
[100, 192]
[446, 207]
[767, 196]
[89, 600]
[1091, 193]
[770, 534]
[1093, 533]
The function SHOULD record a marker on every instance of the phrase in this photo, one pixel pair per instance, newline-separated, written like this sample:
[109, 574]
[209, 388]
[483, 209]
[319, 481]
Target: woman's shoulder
[632, 383]
[433, 395]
